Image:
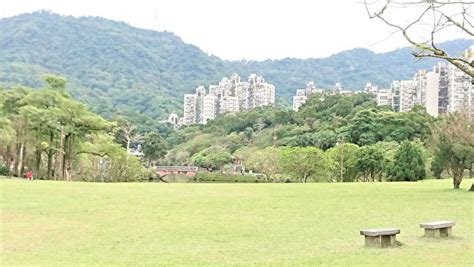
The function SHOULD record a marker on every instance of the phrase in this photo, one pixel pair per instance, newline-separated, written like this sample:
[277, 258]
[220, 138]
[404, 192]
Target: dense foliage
[409, 164]
[56, 137]
[332, 138]
[118, 70]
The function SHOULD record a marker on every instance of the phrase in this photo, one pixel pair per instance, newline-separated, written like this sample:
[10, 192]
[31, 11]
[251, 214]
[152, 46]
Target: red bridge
[190, 171]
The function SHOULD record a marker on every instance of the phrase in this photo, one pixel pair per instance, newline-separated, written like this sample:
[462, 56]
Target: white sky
[240, 29]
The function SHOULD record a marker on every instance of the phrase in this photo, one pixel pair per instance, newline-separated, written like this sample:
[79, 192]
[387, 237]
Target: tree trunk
[9, 160]
[60, 167]
[456, 183]
[457, 179]
[472, 188]
[49, 173]
[20, 160]
[69, 141]
[38, 161]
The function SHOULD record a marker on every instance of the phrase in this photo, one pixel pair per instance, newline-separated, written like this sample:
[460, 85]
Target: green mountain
[121, 70]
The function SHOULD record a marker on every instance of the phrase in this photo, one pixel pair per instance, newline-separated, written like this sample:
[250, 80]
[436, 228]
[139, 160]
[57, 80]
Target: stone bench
[438, 229]
[383, 237]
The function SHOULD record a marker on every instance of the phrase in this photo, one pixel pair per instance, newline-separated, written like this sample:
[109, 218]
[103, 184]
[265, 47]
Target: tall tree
[371, 163]
[453, 144]
[345, 155]
[16, 151]
[154, 146]
[264, 161]
[128, 134]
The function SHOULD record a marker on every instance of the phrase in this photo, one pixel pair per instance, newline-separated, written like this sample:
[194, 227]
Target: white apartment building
[427, 87]
[370, 88]
[431, 94]
[303, 94]
[442, 70]
[403, 95]
[229, 104]
[229, 96]
[407, 92]
[461, 88]
[189, 112]
[384, 97]
[299, 99]
[209, 108]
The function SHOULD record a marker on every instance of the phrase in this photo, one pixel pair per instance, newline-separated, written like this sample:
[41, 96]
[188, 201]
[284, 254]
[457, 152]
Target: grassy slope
[56, 223]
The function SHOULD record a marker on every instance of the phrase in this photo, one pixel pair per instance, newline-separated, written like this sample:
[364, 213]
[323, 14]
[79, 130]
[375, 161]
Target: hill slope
[119, 69]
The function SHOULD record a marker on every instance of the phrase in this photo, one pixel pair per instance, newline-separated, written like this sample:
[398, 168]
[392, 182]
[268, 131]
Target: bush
[227, 178]
[409, 164]
[3, 168]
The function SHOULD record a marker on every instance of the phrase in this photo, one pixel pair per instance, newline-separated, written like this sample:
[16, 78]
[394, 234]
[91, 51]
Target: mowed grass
[60, 223]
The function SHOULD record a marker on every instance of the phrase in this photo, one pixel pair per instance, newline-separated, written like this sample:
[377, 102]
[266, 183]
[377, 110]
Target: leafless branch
[459, 18]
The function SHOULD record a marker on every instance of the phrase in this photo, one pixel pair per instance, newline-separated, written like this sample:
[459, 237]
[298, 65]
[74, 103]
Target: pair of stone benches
[386, 237]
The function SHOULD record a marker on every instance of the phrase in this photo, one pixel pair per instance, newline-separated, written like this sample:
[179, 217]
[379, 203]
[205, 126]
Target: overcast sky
[239, 29]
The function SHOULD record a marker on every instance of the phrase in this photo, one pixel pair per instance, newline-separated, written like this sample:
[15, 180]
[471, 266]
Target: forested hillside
[121, 70]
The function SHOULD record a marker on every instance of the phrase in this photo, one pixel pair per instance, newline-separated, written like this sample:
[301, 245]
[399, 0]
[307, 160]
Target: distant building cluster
[231, 95]
[444, 89]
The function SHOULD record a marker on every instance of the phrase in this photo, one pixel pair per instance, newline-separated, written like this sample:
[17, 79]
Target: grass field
[59, 223]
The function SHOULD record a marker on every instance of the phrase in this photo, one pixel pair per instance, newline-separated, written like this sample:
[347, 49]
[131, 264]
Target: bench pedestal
[441, 232]
[438, 229]
[380, 238]
[380, 241]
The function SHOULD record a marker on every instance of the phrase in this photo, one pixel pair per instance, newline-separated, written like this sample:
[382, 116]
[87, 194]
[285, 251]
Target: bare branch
[440, 20]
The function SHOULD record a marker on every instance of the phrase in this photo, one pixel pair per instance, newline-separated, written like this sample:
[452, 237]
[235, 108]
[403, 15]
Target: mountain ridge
[118, 69]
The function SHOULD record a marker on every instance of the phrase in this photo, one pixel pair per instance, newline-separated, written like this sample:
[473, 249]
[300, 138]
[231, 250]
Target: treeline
[47, 132]
[332, 138]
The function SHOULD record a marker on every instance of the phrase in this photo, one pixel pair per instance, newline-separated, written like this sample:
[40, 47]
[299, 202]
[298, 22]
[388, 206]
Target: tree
[265, 162]
[453, 144]
[370, 163]
[345, 158]
[101, 160]
[51, 113]
[325, 139]
[45, 121]
[427, 20]
[364, 127]
[154, 146]
[212, 158]
[15, 151]
[437, 166]
[304, 163]
[409, 164]
[389, 149]
[127, 134]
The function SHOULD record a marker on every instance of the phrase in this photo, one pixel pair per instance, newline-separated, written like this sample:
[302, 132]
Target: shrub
[409, 164]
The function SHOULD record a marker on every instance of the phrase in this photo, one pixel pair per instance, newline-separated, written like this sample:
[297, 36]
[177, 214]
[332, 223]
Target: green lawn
[59, 223]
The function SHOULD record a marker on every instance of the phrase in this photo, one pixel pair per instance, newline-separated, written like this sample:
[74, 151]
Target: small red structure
[189, 171]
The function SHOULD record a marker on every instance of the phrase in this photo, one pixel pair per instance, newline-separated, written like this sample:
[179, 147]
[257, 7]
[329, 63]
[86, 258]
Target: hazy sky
[238, 29]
